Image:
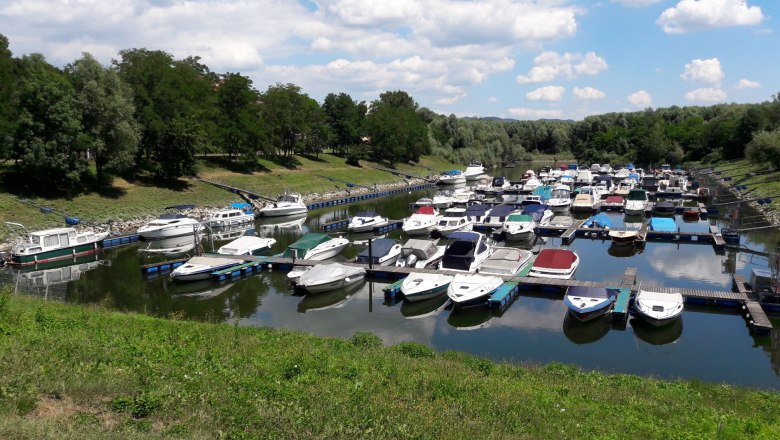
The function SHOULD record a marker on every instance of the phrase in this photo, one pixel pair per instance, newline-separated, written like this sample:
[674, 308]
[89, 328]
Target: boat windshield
[288, 198]
[561, 194]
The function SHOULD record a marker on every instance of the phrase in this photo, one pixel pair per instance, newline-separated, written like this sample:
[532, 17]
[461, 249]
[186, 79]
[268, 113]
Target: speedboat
[420, 286]
[583, 202]
[454, 219]
[468, 290]
[381, 252]
[452, 177]
[522, 226]
[623, 237]
[465, 252]
[531, 184]
[625, 186]
[442, 199]
[54, 244]
[505, 261]
[664, 208]
[422, 222]
[691, 213]
[364, 221]
[315, 246]
[247, 245]
[555, 263]
[561, 199]
[498, 185]
[614, 202]
[474, 171]
[462, 196]
[677, 186]
[201, 267]
[589, 303]
[169, 225]
[332, 276]
[424, 201]
[636, 202]
[295, 273]
[562, 221]
[658, 308]
[238, 214]
[420, 254]
[287, 204]
[477, 213]
[584, 177]
[497, 215]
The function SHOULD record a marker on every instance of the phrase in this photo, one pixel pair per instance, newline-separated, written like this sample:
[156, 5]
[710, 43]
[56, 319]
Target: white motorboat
[498, 185]
[531, 184]
[467, 290]
[247, 245]
[636, 202]
[477, 213]
[421, 286]
[424, 201]
[238, 214]
[658, 308]
[474, 171]
[505, 261]
[315, 246]
[454, 219]
[442, 199]
[465, 252]
[561, 198]
[555, 263]
[366, 221]
[382, 252]
[623, 236]
[582, 202]
[326, 277]
[296, 273]
[168, 226]
[420, 254]
[287, 204]
[452, 177]
[522, 225]
[561, 221]
[497, 215]
[201, 267]
[462, 196]
[584, 177]
[589, 303]
[422, 222]
[53, 244]
[624, 187]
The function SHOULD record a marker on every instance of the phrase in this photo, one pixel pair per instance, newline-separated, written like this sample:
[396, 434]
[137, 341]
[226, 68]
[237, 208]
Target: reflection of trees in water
[730, 263]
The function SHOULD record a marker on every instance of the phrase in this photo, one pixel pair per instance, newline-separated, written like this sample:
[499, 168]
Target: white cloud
[640, 99]
[747, 84]
[705, 71]
[529, 113]
[492, 99]
[587, 93]
[706, 95]
[550, 65]
[636, 3]
[692, 15]
[548, 93]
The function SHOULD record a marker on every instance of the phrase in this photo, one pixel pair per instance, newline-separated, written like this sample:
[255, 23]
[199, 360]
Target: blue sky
[511, 58]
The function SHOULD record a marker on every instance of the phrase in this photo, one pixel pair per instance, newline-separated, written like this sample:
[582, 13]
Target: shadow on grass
[20, 185]
[289, 162]
[159, 182]
[313, 158]
[235, 165]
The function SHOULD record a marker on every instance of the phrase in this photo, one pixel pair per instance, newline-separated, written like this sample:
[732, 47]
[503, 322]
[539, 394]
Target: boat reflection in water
[428, 307]
[171, 246]
[623, 251]
[290, 222]
[667, 334]
[333, 299]
[50, 279]
[472, 318]
[223, 233]
[585, 332]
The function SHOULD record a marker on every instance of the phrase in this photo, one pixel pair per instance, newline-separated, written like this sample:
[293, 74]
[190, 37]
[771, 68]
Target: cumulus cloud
[636, 3]
[640, 99]
[747, 84]
[707, 94]
[706, 71]
[492, 99]
[587, 93]
[550, 65]
[692, 15]
[549, 93]
[530, 113]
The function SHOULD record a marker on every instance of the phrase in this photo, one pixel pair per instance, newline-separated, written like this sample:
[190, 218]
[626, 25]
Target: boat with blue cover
[600, 220]
[383, 252]
[476, 213]
[662, 224]
[452, 177]
[465, 252]
[497, 215]
[236, 214]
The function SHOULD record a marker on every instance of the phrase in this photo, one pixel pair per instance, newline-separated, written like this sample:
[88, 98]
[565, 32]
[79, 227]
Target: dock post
[370, 254]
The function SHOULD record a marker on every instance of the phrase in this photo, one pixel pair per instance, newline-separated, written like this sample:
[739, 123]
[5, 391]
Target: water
[711, 344]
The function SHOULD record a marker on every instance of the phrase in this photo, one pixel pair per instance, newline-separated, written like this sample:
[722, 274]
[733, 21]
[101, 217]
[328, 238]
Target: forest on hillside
[70, 129]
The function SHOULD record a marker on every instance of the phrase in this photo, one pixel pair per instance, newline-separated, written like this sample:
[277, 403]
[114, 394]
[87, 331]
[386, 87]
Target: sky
[520, 59]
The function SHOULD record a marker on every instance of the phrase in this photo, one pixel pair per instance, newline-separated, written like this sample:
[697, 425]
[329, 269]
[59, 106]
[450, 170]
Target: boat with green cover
[315, 246]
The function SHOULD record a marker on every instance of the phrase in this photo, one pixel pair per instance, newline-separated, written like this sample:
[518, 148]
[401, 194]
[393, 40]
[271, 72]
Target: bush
[366, 340]
[415, 350]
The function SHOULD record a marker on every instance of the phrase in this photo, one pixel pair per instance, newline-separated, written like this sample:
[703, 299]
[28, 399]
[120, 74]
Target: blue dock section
[162, 266]
[620, 311]
[238, 270]
[369, 196]
[393, 291]
[121, 240]
[503, 296]
[342, 224]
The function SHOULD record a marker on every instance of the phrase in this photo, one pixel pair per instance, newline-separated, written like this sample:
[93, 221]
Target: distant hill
[497, 119]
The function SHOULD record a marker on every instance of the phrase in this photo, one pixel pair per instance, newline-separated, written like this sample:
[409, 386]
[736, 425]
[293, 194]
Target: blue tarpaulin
[662, 224]
[598, 221]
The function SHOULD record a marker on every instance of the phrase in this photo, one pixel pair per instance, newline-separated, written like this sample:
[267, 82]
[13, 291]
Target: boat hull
[423, 294]
[169, 231]
[332, 285]
[282, 212]
[56, 254]
[324, 254]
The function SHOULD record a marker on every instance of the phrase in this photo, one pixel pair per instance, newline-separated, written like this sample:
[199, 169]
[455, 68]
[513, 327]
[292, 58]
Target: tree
[111, 132]
[764, 148]
[176, 155]
[398, 134]
[292, 119]
[9, 78]
[240, 130]
[345, 118]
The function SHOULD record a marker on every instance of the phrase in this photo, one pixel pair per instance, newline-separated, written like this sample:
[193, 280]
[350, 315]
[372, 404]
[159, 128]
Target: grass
[80, 372]
[759, 183]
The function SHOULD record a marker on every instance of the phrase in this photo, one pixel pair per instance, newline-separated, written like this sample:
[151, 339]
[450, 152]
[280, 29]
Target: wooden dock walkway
[568, 235]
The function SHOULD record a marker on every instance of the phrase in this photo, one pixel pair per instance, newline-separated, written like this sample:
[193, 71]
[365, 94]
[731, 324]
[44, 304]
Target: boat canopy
[501, 210]
[544, 192]
[555, 259]
[241, 205]
[329, 272]
[505, 261]
[519, 218]
[637, 194]
[477, 210]
[171, 216]
[453, 172]
[464, 235]
[499, 181]
[530, 209]
[460, 253]
[423, 249]
[304, 244]
[614, 199]
[662, 224]
[600, 220]
[379, 248]
[427, 210]
[606, 179]
[366, 214]
[591, 292]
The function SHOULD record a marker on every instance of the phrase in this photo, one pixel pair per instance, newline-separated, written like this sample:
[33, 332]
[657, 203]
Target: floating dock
[370, 196]
[163, 266]
[342, 224]
[120, 240]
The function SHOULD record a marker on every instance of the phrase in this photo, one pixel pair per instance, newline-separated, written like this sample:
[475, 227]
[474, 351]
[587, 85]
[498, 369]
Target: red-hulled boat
[614, 202]
[691, 214]
[555, 263]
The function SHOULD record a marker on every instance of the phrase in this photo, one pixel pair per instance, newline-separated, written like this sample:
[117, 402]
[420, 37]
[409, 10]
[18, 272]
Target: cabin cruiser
[238, 214]
[498, 185]
[584, 177]
[365, 221]
[477, 213]
[587, 198]
[658, 308]
[247, 245]
[605, 169]
[604, 183]
[625, 186]
[675, 186]
[454, 219]
[287, 204]
[568, 177]
[496, 216]
[169, 225]
[664, 208]
[544, 173]
[555, 263]
[505, 261]
[622, 174]
[468, 290]
[461, 196]
[315, 246]
[589, 303]
[201, 267]
[381, 252]
[330, 276]
[614, 203]
[595, 168]
[422, 222]
[452, 177]
[420, 254]
[636, 202]
[442, 199]
[474, 171]
[421, 286]
[561, 198]
[465, 252]
[531, 184]
[54, 244]
[521, 226]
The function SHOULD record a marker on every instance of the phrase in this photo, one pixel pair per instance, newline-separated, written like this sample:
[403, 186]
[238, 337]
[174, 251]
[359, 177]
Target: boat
[584, 177]
[452, 177]
[636, 202]
[676, 186]
[589, 303]
[465, 252]
[561, 198]
[505, 261]
[555, 263]
[422, 222]
[583, 202]
[296, 273]
[531, 184]
[171, 246]
[477, 213]
[605, 169]
[623, 237]
[454, 219]
[605, 183]
[496, 216]
[286, 204]
[237, 214]
[658, 308]
[380, 252]
[315, 246]
[420, 254]
[474, 171]
[468, 290]
[169, 225]
[462, 196]
[664, 208]
[54, 244]
[424, 201]
[247, 245]
[331, 276]
[614, 203]
[594, 168]
[625, 186]
[202, 266]
[598, 221]
[650, 183]
[662, 224]
[442, 199]
[498, 185]
[691, 213]
[521, 226]
[366, 221]
[421, 286]
[561, 221]
[703, 193]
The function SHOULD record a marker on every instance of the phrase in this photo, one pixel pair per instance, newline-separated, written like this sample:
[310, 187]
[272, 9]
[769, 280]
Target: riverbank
[759, 183]
[83, 372]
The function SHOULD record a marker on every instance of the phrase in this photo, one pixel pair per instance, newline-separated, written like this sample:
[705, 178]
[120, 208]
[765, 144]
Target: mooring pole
[370, 254]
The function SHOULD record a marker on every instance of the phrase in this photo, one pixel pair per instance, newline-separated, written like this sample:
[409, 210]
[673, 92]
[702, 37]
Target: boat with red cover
[555, 263]
[614, 202]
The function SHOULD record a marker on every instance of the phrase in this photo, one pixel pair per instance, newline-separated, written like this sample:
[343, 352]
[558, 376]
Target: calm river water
[711, 344]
